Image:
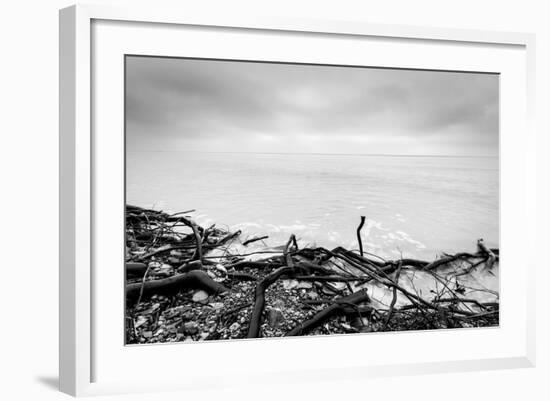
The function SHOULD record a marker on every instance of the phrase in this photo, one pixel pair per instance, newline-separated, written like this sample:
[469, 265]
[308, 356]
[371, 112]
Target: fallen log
[195, 279]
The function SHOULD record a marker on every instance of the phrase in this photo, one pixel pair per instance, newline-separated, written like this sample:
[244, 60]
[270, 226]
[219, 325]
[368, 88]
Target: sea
[414, 206]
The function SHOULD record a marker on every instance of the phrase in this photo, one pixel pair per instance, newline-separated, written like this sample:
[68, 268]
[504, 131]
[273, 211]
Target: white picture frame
[87, 365]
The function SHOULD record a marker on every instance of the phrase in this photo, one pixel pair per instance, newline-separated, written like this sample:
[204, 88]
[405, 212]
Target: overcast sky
[223, 106]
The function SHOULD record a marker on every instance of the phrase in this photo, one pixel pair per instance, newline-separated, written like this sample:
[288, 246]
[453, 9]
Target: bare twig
[251, 240]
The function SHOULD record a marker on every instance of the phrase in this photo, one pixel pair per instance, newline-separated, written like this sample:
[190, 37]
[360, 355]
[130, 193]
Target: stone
[312, 295]
[338, 285]
[190, 328]
[164, 270]
[275, 317]
[154, 265]
[290, 284]
[304, 285]
[216, 305]
[141, 320]
[278, 304]
[175, 311]
[188, 315]
[200, 296]
[147, 334]
[345, 326]
[221, 268]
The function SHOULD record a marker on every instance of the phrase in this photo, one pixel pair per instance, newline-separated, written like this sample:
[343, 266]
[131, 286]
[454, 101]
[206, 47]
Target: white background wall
[28, 197]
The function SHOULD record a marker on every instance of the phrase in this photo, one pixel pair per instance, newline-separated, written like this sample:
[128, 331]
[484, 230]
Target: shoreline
[190, 283]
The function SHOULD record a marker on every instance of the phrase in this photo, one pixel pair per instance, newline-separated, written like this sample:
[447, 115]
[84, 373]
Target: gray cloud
[204, 105]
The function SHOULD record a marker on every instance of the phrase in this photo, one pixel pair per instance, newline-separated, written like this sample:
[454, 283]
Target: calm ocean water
[420, 206]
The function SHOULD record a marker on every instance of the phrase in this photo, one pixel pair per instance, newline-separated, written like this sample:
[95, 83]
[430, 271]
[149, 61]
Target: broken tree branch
[194, 279]
[259, 300]
[359, 235]
[339, 306]
[251, 240]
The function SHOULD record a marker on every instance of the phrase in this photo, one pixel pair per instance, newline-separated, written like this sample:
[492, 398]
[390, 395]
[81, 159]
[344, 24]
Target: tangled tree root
[164, 260]
[349, 305]
[194, 279]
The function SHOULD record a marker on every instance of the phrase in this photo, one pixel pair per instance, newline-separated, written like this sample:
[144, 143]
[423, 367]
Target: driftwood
[490, 254]
[359, 235]
[154, 236]
[195, 279]
[259, 299]
[198, 239]
[251, 240]
[345, 303]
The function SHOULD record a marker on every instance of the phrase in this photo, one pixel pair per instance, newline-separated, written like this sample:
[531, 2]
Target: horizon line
[312, 153]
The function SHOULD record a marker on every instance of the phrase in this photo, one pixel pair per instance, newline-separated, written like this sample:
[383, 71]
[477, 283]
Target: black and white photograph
[270, 199]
